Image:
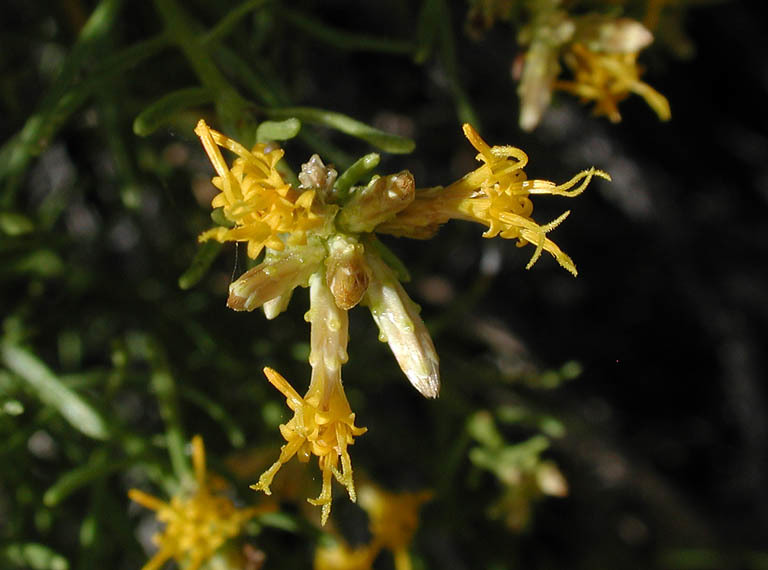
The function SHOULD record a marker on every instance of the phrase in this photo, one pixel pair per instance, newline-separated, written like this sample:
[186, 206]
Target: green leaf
[347, 125]
[344, 39]
[52, 392]
[216, 412]
[354, 173]
[32, 556]
[166, 391]
[278, 130]
[163, 110]
[233, 17]
[53, 113]
[14, 224]
[201, 263]
[99, 466]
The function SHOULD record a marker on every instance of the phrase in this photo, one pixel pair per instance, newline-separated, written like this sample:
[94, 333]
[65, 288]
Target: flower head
[197, 524]
[497, 195]
[393, 519]
[325, 433]
[322, 237]
[607, 79]
[255, 198]
[338, 555]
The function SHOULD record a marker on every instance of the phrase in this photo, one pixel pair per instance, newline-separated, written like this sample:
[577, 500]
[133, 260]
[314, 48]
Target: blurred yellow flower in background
[197, 525]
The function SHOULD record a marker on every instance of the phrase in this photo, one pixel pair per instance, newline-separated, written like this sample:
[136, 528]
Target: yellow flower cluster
[607, 79]
[313, 430]
[601, 53]
[196, 525]
[319, 237]
[497, 194]
[393, 520]
[255, 197]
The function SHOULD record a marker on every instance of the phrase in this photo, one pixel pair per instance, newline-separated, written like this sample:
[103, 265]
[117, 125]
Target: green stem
[181, 28]
[17, 153]
[351, 175]
[164, 386]
[343, 39]
[228, 22]
[464, 109]
[347, 125]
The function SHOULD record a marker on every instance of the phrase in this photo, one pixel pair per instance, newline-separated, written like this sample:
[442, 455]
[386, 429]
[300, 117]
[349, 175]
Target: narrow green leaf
[32, 556]
[347, 125]
[464, 110]
[201, 263]
[344, 39]
[184, 32]
[20, 149]
[163, 110]
[53, 113]
[278, 130]
[225, 26]
[426, 32]
[216, 412]
[99, 466]
[52, 392]
[164, 387]
[354, 173]
[14, 224]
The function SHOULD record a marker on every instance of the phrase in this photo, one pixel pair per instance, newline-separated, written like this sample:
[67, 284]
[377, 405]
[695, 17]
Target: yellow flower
[394, 518]
[323, 423]
[607, 79]
[255, 198]
[340, 556]
[196, 525]
[324, 430]
[497, 194]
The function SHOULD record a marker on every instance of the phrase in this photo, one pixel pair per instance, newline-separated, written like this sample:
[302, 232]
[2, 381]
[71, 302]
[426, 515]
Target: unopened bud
[612, 35]
[401, 326]
[276, 276]
[376, 203]
[346, 271]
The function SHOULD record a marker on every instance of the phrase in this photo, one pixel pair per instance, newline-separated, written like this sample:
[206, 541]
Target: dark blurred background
[665, 449]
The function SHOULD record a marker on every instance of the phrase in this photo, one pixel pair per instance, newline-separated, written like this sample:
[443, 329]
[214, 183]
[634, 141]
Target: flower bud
[612, 35]
[346, 272]
[275, 277]
[376, 203]
[401, 326]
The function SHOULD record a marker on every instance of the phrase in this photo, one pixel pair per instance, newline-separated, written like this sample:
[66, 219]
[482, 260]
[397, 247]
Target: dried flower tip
[380, 200]
[315, 175]
[275, 277]
[401, 326]
[346, 272]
